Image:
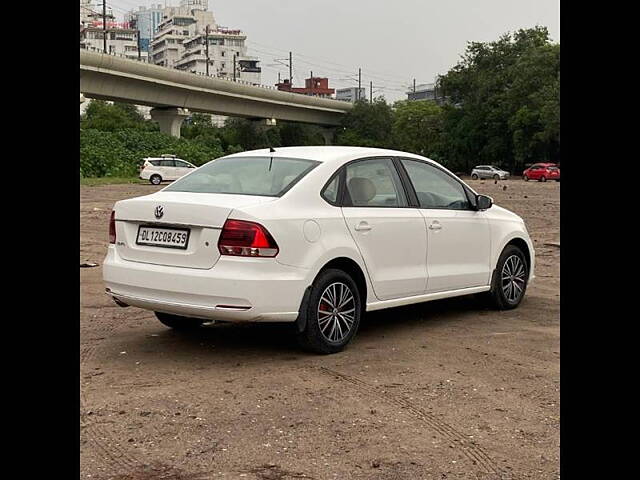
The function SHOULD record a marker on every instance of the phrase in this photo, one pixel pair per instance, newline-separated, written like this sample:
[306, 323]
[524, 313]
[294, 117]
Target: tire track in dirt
[104, 443]
[470, 449]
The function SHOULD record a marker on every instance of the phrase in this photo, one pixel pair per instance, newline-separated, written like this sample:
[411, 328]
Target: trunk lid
[202, 214]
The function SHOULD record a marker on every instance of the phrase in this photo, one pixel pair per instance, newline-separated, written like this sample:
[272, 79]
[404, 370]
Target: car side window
[181, 164]
[155, 163]
[330, 192]
[435, 188]
[374, 183]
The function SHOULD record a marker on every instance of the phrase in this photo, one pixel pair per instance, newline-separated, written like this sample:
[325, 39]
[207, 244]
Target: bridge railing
[143, 60]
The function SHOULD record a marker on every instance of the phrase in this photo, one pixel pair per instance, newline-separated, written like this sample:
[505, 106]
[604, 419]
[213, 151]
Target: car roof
[324, 154]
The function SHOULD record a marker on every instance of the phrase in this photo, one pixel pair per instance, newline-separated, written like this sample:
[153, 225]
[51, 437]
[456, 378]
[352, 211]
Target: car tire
[178, 323]
[543, 178]
[327, 333]
[511, 269]
[496, 177]
[525, 178]
[474, 176]
[156, 179]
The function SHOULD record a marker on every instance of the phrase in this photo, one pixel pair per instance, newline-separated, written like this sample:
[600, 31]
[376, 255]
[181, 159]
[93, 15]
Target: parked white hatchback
[164, 168]
[315, 236]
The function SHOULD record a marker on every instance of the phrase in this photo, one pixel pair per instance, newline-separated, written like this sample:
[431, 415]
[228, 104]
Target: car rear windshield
[263, 176]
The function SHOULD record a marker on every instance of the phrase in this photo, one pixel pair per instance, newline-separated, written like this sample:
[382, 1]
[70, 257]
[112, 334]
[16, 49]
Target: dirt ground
[442, 390]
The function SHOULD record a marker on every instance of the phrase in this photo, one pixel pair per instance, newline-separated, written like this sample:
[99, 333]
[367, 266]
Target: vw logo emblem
[159, 212]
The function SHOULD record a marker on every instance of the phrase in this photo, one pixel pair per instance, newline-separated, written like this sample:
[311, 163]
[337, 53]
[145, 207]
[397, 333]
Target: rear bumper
[235, 289]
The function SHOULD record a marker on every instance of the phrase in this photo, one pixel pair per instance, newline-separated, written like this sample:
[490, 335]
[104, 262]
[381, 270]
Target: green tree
[503, 102]
[417, 128]
[100, 115]
[368, 125]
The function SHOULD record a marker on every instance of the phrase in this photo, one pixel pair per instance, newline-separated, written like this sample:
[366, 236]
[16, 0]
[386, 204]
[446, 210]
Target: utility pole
[139, 52]
[207, 46]
[414, 85]
[370, 92]
[359, 83]
[104, 25]
[291, 68]
[235, 56]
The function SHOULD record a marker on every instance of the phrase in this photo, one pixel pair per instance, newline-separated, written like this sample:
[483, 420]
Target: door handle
[363, 227]
[435, 226]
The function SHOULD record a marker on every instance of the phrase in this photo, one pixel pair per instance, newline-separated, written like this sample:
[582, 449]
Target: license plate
[163, 237]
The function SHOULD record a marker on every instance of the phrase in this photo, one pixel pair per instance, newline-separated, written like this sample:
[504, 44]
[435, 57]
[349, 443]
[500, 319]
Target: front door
[458, 237]
[391, 237]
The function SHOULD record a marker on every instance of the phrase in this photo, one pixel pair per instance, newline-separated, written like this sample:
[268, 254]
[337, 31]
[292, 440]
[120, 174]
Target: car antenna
[272, 150]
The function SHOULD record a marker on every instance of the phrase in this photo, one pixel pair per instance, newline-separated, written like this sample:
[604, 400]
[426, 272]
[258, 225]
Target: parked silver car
[488, 171]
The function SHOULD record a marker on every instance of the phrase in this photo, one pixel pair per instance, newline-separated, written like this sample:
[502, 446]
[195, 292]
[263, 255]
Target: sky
[392, 41]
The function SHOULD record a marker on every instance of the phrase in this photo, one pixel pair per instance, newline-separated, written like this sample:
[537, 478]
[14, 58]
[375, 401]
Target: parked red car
[542, 172]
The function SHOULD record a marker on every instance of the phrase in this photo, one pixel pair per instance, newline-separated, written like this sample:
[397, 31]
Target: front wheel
[496, 177]
[331, 313]
[510, 279]
[474, 176]
[178, 323]
[156, 179]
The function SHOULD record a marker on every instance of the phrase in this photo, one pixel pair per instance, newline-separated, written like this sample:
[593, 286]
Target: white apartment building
[121, 39]
[351, 94]
[179, 23]
[181, 42]
[227, 56]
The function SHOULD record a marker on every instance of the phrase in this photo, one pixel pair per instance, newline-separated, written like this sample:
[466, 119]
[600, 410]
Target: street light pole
[104, 25]
[207, 47]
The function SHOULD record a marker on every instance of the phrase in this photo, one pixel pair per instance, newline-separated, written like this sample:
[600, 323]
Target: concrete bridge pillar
[169, 119]
[328, 135]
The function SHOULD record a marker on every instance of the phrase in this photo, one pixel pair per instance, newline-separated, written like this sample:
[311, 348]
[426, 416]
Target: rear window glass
[245, 176]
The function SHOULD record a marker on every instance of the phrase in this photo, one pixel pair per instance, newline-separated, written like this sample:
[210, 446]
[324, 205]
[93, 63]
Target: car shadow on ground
[256, 341]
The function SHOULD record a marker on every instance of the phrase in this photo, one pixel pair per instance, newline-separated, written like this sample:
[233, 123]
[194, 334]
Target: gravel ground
[442, 390]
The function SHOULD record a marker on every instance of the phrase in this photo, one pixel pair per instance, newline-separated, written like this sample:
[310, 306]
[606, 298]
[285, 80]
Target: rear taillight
[246, 239]
[112, 227]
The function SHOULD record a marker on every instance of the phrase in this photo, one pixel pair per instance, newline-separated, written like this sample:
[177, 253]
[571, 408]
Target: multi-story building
[146, 21]
[86, 12]
[227, 55]
[313, 87]
[425, 91]
[178, 24]
[351, 94]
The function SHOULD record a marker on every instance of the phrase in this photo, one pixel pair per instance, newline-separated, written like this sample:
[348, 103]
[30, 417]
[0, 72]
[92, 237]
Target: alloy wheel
[336, 312]
[513, 278]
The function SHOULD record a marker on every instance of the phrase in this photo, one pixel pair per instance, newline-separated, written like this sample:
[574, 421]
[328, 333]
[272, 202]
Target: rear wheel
[543, 178]
[510, 279]
[178, 323]
[156, 179]
[525, 178]
[474, 176]
[331, 313]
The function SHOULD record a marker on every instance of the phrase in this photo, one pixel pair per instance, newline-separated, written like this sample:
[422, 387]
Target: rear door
[458, 236]
[390, 235]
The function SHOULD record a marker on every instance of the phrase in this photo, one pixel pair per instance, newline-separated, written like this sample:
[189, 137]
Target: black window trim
[405, 180]
[344, 201]
[471, 197]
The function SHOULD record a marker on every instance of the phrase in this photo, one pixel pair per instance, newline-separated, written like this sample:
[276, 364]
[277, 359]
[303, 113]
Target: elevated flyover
[173, 93]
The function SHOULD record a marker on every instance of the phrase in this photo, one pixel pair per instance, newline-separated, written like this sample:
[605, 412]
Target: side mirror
[483, 202]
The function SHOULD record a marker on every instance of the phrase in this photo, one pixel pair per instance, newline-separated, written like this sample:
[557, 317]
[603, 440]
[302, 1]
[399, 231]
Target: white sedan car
[316, 236]
[165, 168]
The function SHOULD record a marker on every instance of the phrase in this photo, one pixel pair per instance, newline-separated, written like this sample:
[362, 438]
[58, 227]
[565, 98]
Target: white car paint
[156, 166]
[402, 259]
